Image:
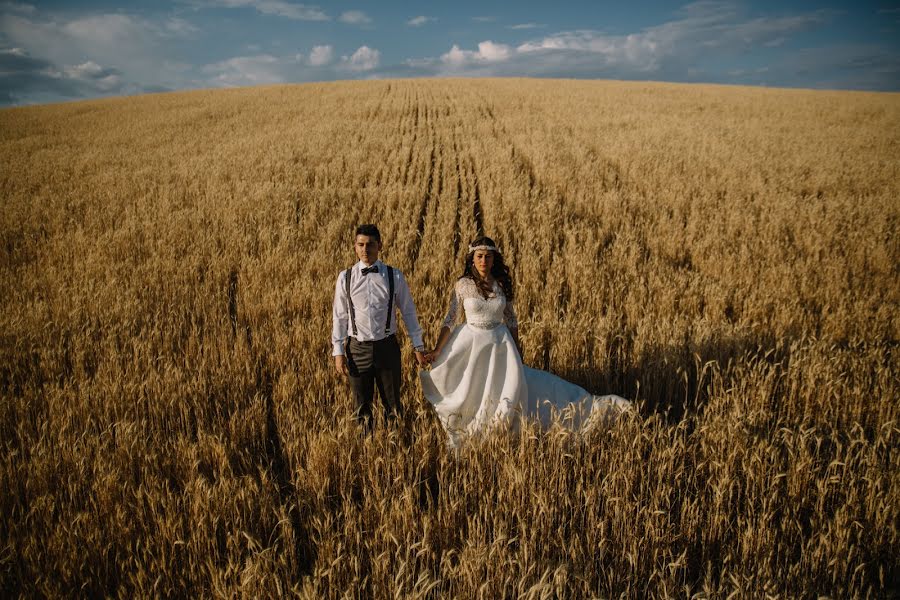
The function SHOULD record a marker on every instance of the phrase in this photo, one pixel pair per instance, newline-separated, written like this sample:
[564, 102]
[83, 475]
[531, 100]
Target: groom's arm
[410, 319]
[339, 318]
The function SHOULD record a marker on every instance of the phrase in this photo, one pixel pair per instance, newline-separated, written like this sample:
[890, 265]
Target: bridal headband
[482, 247]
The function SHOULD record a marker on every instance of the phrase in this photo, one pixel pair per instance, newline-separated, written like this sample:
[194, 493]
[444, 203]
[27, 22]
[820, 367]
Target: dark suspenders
[390, 273]
[387, 327]
[350, 300]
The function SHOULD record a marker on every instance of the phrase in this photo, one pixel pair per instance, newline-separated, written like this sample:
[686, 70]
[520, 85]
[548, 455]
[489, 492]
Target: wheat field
[727, 257]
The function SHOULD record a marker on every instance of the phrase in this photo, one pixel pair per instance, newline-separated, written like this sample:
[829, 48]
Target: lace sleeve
[509, 315]
[453, 311]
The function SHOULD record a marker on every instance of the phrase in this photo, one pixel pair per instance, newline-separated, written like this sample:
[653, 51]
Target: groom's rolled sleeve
[339, 318]
[408, 311]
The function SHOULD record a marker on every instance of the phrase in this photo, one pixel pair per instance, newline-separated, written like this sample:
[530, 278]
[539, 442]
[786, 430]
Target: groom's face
[367, 249]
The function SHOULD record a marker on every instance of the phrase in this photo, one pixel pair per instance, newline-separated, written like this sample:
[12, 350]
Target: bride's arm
[512, 322]
[515, 336]
[442, 340]
[446, 326]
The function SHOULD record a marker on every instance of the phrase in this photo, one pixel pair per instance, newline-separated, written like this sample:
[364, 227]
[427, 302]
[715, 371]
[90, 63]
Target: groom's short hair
[369, 230]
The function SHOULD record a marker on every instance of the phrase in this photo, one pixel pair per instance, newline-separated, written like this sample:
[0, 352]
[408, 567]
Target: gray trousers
[371, 364]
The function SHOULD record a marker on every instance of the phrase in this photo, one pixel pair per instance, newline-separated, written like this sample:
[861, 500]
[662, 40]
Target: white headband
[474, 248]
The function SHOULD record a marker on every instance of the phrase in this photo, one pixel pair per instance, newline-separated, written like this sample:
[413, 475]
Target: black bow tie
[372, 269]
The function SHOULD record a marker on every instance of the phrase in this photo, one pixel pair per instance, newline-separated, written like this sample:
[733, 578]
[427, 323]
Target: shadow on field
[671, 380]
[304, 549]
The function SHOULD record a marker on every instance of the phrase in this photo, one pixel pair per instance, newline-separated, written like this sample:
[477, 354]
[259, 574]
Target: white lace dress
[478, 380]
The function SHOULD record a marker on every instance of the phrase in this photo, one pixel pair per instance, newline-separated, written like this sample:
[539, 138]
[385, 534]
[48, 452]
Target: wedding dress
[479, 381]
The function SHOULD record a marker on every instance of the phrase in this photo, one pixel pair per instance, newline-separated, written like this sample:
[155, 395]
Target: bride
[477, 378]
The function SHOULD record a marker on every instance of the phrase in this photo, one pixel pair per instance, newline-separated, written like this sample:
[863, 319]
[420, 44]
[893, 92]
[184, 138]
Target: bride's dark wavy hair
[499, 270]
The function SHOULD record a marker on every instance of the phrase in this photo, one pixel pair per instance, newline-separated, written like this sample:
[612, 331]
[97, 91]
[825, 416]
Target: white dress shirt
[370, 304]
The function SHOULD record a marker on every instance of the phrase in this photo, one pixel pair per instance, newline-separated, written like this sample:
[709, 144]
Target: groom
[365, 348]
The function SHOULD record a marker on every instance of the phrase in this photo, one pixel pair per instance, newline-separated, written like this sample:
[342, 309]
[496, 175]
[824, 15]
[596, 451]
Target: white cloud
[246, 70]
[49, 56]
[134, 55]
[490, 51]
[180, 28]
[108, 29]
[129, 43]
[640, 52]
[355, 17]
[271, 69]
[89, 69]
[364, 59]
[18, 7]
[487, 51]
[676, 49]
[320, 55]
[456, 56]
[24, 78]
[103, 79]
[420, 20]
[279, 8]
[46, 58]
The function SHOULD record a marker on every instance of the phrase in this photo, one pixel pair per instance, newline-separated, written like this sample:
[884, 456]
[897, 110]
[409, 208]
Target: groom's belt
[385, 338]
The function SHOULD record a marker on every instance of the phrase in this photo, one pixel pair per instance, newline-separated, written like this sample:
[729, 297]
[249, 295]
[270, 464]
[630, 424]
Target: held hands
[340, 362]
[426, 358]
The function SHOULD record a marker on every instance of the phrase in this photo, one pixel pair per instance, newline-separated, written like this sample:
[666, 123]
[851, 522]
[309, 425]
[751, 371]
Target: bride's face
[483, 261]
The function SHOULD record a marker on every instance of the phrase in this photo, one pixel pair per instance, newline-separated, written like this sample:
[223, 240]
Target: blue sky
[54, 51]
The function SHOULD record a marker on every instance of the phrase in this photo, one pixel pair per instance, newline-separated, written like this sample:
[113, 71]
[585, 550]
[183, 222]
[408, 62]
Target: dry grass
[728, 256]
